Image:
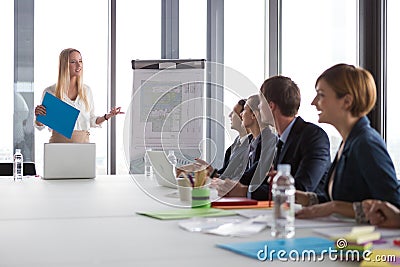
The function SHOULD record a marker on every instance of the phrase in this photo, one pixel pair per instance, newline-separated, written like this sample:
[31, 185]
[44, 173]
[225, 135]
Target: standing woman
[70, 89]
[362, 168]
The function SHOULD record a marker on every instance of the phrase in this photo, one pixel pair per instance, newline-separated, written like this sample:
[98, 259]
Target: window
[244, 48]
[138, 37]
[244, 52]
[317, 34]
[83, 26]
[393, 94]
[192, 29]
[7, 79]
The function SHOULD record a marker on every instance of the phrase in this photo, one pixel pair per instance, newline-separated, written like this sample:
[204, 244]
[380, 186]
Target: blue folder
[60, 116]
[263, 250]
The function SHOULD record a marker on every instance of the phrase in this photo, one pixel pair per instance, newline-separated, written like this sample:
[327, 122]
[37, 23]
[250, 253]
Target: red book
[234, 201]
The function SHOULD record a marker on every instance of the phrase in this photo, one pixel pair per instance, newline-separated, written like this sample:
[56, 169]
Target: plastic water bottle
[172, 159]
[18, 164]
[283, 193]
[148, 168]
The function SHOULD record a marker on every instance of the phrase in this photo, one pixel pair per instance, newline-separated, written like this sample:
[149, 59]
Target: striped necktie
[278, 153]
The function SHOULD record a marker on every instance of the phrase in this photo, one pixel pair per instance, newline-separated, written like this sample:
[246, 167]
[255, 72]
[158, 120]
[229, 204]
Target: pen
[190, 179]
[270, 191]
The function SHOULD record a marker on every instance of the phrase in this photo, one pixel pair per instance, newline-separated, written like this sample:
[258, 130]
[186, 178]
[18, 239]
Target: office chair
[6, 168]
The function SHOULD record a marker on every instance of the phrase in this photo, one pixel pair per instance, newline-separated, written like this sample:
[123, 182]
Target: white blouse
[86, 118]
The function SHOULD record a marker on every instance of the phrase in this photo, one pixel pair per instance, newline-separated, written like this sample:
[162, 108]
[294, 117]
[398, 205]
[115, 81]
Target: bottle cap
[18, 150]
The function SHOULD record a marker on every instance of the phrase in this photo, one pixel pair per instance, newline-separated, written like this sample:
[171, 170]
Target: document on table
[60, 116]
[323, 222]
[187, 213]
[224, 226]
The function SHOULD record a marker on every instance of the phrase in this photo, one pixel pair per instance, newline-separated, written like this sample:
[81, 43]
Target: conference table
[93, 222]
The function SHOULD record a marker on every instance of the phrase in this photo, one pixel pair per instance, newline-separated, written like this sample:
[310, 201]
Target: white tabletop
[93, 223]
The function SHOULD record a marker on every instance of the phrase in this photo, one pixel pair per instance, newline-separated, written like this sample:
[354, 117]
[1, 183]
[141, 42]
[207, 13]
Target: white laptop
[69, 161]
[162, 169]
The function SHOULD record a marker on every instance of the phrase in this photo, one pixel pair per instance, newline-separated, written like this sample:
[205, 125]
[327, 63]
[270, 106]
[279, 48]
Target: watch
[213, 173]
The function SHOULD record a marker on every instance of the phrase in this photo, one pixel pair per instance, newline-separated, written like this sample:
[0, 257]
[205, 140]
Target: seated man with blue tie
[303, 145]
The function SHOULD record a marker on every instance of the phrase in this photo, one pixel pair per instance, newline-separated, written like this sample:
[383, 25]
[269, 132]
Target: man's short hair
[284, 93]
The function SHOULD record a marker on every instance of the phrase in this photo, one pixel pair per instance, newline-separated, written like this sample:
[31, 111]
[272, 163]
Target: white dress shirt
[86, 118]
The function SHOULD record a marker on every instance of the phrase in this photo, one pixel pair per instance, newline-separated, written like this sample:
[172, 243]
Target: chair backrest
[6, 168]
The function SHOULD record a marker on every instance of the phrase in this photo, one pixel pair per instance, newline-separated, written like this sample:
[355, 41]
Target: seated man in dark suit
[304, 145]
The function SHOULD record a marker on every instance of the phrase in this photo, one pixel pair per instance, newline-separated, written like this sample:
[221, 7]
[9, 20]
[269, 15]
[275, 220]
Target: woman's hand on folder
[40, 110]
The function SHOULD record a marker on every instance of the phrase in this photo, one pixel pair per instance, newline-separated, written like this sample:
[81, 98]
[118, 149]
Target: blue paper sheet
[60, 116]
[269, 249]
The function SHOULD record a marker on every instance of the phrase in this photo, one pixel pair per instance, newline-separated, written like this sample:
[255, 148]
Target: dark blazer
[226, 158]
[307, 151]
[364, 170]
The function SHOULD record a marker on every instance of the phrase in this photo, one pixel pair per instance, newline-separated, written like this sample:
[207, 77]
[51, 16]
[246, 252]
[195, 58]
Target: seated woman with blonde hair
[234, 155]
[362, 168]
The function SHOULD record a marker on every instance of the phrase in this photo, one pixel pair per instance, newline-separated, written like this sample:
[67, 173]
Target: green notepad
[187, 213]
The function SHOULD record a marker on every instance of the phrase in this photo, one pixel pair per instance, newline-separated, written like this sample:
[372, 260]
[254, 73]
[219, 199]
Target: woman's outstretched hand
[115, 111]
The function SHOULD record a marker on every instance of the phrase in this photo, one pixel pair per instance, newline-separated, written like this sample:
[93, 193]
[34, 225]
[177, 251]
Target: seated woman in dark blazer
[362, 168]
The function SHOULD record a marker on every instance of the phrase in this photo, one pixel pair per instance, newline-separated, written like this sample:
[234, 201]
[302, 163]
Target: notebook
[233, 201]
[69, 161]
[162, 169]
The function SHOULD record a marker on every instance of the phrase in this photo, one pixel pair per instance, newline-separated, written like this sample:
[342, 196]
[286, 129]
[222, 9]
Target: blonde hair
[63, 81]
[355, 81]
[253, 101]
